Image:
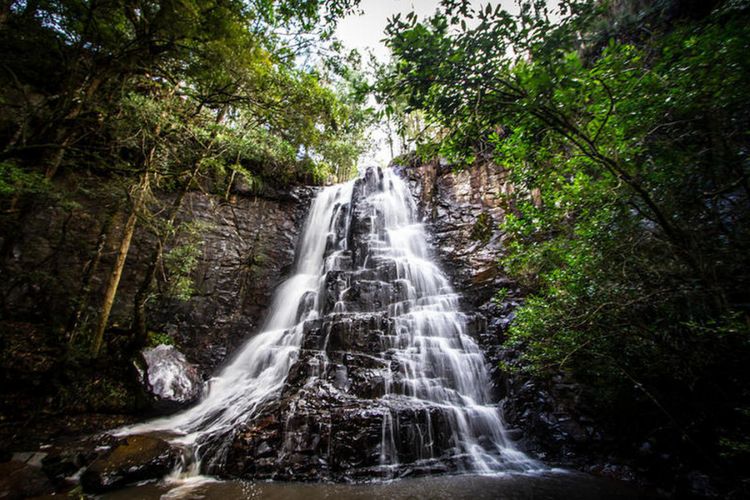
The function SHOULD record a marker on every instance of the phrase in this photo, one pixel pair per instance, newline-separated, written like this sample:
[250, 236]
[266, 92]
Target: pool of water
[548, 486]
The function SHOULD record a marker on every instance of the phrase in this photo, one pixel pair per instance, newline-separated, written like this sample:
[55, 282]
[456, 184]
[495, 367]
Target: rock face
[462, 210]
[248, 247]
[246, 244]
[137, 458]
[388, 380]
[170, 379]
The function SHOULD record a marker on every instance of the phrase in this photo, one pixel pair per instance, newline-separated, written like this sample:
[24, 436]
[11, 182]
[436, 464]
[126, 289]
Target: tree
[634, 254]
[161, 97]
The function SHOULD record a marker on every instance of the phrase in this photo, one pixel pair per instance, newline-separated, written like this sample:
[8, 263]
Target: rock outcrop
[246, 244]
[170, 379]
[248, 248]
[134, 459]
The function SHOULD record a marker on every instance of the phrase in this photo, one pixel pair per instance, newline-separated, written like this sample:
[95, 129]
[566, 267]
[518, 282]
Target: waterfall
[366, 337]
[258, 371]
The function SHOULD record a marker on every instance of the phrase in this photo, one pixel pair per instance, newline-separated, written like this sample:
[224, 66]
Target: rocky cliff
[246, 244]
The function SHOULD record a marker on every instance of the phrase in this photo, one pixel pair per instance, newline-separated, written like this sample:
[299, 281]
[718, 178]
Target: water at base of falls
[365, 367]
[547, 486]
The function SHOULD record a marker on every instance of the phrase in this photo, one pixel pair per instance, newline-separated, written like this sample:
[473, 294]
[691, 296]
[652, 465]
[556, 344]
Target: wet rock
[247, 244]
[19, 479]
[136, 458]
[169, 378]
[348, 409]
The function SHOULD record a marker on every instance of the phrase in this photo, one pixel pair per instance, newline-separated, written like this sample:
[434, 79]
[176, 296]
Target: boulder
[20, 479]
[169, 378]
[135, 458]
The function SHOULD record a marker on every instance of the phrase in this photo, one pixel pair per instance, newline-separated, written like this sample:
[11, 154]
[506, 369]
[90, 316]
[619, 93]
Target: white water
[438, 364]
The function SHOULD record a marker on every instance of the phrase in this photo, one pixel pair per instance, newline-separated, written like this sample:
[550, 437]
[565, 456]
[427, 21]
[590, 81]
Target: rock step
[321, 440]
[135, 458]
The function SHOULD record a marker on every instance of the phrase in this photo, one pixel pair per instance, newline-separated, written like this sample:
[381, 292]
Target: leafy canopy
[626, 136]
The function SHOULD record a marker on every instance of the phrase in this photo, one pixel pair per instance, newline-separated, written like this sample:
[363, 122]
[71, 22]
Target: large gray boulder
[169, 378]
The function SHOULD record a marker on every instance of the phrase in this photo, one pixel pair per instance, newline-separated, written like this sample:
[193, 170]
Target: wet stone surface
[388, 381]
[133, 459]
[169, 378]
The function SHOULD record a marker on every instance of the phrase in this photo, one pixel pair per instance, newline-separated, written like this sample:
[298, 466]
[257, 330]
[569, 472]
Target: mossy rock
[136, 458]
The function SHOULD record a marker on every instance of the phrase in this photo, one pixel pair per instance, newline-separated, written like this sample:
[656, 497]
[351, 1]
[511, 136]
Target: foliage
[14, 180]
[180, 262]
[158, 79]
[482, 229]
[149, 101]
[629, 225]
[159, 338]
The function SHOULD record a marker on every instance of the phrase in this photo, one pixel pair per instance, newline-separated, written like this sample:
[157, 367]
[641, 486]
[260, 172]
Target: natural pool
[548, 486]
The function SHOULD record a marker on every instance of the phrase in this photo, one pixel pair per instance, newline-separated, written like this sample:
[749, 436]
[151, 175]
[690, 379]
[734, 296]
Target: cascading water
[439, 364]
[365, 366]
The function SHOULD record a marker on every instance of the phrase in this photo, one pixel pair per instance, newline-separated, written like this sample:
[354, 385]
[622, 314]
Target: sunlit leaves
[626, 142]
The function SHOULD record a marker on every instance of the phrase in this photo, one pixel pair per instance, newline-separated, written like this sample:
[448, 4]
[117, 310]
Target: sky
[364, 32]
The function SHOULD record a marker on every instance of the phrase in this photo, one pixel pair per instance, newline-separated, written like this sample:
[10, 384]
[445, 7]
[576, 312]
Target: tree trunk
[141, 296]
[89, 272]
[122, 254]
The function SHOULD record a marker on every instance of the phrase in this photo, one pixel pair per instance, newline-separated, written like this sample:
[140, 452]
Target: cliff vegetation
[624, 128]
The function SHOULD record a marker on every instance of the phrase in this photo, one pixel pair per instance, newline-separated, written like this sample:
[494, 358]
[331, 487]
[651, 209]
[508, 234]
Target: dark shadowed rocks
[135, 458]
[20, 479]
